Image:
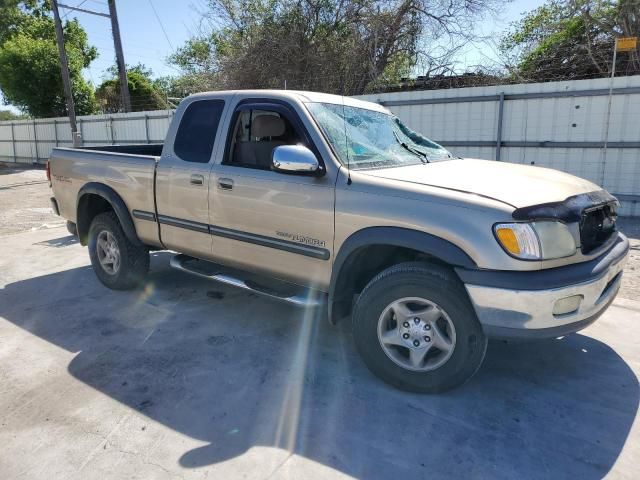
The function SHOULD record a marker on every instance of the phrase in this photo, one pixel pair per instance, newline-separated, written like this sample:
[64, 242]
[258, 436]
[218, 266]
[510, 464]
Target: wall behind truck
[562, 125]
[31, 141]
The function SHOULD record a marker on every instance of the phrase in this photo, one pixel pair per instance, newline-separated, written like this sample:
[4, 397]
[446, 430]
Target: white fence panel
[560, 125]
[29, 141]
[158, 127]
[95, 130]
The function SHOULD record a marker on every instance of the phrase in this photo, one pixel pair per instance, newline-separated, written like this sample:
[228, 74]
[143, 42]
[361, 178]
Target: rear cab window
[197, 131]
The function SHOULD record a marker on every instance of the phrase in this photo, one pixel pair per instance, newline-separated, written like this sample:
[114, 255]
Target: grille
[596, 227]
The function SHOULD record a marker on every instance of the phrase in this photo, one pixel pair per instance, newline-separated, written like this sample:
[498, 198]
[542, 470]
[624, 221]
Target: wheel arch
[370, 250]
[95, 198]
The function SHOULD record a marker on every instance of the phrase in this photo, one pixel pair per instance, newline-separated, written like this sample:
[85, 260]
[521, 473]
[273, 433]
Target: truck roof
[300, 95]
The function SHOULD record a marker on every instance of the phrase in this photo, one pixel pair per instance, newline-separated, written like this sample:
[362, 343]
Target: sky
[143, 39]
[492, 28]
[149, 37]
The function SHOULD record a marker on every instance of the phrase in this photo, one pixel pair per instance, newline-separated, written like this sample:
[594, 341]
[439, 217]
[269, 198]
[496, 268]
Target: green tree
[340, 46]
[12, 15]
[565, 39]
[29, 63]
[175, 88]
[9, 115]
[144, 92]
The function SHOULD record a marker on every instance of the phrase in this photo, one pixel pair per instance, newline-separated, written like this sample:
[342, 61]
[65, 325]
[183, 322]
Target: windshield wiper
[422, 155]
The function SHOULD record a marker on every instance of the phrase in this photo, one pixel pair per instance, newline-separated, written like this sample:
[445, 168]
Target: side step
[277, 289]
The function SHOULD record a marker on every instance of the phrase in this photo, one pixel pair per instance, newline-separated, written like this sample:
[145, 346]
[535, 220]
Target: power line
[130, 44]
[83, 10]
[77, 6]
[161, 25]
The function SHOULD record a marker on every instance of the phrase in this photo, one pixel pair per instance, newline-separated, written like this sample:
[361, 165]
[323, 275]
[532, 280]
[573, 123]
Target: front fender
[423, 242]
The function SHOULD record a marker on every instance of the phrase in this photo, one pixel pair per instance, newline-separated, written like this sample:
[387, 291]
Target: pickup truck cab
[318, 199]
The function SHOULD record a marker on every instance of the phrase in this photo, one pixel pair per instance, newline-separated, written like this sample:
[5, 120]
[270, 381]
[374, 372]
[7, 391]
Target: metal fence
[31, 141]
[562, 125]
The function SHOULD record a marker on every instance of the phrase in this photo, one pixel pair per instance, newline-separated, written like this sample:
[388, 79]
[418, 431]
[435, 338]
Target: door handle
[197, 179]
[225, 183]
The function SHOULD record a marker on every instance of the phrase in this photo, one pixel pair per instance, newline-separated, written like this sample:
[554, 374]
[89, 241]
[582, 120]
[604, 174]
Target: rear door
[182, 184]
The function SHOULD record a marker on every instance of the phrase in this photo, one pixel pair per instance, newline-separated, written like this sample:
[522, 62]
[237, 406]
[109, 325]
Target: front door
[274, 223]
[182, 184]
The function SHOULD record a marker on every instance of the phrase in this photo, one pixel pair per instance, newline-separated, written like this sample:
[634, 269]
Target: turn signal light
[508, 240]
[518, 239]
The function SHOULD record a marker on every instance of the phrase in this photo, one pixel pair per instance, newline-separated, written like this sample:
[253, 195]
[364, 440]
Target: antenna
[346, 140]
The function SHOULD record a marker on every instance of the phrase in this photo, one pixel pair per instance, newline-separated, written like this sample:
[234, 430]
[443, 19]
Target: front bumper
[509, 305]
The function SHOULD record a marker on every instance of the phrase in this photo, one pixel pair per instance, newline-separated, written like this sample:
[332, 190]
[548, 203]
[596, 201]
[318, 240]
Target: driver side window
[256, 134]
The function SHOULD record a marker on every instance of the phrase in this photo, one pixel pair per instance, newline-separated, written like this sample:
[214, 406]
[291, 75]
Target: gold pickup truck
[317, 199]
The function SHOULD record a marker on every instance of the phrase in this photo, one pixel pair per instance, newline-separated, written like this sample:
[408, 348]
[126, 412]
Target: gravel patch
[24, 200]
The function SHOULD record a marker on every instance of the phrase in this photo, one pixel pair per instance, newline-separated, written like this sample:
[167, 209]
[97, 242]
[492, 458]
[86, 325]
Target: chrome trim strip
[287, 246]
[264, 241]
[142, 215]
[189, 225]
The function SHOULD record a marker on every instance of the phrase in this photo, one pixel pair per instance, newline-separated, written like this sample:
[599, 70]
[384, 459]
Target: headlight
[555, 239]
[536, 240]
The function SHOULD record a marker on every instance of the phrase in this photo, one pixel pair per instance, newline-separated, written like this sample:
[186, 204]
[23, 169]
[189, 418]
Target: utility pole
[122, 68]
[66, 80]
[117, 43]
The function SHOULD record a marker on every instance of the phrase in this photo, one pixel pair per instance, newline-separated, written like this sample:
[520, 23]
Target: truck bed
[129, 170]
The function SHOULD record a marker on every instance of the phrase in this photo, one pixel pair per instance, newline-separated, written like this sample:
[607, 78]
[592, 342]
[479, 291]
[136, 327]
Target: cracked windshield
[365, 139]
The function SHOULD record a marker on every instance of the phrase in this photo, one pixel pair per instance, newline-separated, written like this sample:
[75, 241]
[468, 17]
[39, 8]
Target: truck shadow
[239, 372]
[59, 242]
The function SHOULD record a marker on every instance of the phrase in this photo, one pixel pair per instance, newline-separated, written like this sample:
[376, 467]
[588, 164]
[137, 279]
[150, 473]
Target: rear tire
[117, 262]
[416, 329]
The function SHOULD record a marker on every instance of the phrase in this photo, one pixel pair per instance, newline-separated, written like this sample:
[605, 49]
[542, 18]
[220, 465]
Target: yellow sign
[626, 44]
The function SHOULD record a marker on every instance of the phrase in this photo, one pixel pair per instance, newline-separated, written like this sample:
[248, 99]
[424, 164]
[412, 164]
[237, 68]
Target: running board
[282, 291]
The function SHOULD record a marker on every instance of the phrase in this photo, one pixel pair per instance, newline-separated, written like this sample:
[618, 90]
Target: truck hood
[511, 183]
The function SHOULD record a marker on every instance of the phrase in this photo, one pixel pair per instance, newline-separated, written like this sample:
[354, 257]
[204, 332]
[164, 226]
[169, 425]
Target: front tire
[116, 261]
[416, 329]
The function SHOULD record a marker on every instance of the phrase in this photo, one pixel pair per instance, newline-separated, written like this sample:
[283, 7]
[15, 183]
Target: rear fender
[85, 215]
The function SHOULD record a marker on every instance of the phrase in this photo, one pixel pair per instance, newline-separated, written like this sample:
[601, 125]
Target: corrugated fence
[562, 125]
[31, 141]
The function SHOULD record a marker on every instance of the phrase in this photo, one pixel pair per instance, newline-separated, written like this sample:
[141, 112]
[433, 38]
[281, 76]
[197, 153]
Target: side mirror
[296, 159]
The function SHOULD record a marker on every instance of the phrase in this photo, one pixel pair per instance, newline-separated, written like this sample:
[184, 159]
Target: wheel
[117, 262]
[416, 329]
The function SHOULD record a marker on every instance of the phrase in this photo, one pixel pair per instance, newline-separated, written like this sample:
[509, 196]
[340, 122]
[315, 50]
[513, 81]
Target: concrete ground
[24, 201]
[188, 379]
